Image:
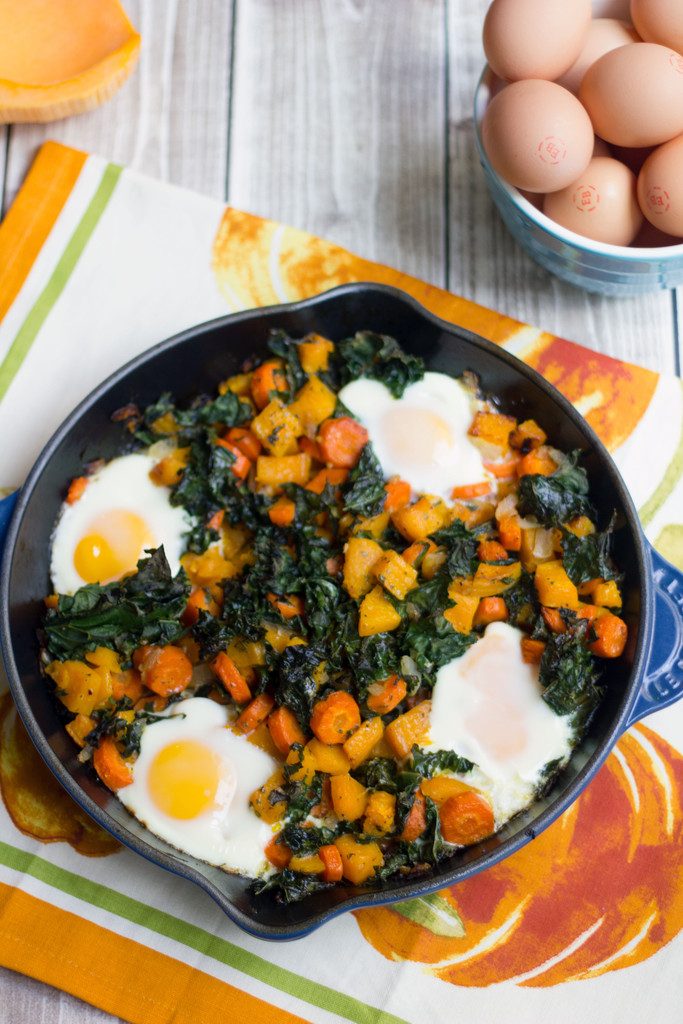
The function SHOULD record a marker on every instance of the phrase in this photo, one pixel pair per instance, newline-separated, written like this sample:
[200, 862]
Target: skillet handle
[663, 680]
[6, 510]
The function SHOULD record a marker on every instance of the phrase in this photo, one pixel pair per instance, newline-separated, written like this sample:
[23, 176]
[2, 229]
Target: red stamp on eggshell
[676, 61]
[586, 198]
[659, 200]
[552, 150]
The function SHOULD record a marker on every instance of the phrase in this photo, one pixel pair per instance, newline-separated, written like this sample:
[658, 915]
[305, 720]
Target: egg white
[487, 706]
[124, 483]
[228, 834]
[422, 436]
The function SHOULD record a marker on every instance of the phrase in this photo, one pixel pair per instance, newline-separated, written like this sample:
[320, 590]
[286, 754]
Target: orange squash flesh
[62, 57]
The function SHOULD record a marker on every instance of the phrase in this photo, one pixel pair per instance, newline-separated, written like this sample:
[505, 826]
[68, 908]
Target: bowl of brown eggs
[579, 125]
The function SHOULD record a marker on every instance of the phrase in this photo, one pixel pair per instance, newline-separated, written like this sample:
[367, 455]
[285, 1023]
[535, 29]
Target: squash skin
[26, 102]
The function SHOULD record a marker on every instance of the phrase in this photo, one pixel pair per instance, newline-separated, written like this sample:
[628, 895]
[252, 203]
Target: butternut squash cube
[307, 768]
[442, 787]
[374, 525]
[359, 860]
[380, 814]
[260, 799]
[606, 594]
[239, 384]
[314, 353]
[395, 575]
[169, 470]
[527, 436]
[493, 427]
[427, 515]
[328, 757]
[277, 428]
[581, 526]
[461, 615]
[362, 742]
[310, 864]
[408, 729]
[314, 403]
[488, 581]
[360, 557]
[272, 471]
[554, 588]
[377, 614]
[349, 798]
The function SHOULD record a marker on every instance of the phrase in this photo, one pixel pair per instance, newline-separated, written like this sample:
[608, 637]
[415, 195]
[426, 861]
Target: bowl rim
[356, 900]
[662, 254]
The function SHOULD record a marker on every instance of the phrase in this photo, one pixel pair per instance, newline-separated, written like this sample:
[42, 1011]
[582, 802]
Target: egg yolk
[114, 543]
[184, 778]
[416, 435]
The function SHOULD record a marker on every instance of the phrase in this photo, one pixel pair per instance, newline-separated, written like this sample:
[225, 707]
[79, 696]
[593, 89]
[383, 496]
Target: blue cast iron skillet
[648, 677]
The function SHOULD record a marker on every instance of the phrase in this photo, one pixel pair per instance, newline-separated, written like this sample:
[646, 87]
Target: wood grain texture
[338, 123]
[25, 1001]
[170, 120]
[487, 265]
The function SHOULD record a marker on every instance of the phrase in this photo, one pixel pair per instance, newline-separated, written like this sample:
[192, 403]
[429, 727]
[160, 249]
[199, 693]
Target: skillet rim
[420, 886]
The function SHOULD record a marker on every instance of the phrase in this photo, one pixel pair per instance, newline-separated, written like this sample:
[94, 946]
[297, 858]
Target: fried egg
[487, 706]
[422, 436]
[191, 786]
[121, 513]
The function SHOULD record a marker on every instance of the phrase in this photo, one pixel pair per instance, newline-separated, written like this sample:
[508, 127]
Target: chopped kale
[372, 658]
[569, 676]
[367, 354]
[428, 763]
[521, 600]
[143, 608]
[432, 642]
[556, 499]
[378, 773]
[461, 548]
[302, 841]
[588, 558]
[294, 685]
[289, 886]
[364, 493]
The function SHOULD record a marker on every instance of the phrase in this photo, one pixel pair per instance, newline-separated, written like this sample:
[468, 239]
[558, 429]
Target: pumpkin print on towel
[601, 889]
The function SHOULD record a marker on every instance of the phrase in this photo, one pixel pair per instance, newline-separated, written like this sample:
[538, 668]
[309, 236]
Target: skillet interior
[192, 363]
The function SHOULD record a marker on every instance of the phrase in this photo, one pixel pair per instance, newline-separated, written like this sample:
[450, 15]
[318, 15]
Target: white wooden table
[351, 119]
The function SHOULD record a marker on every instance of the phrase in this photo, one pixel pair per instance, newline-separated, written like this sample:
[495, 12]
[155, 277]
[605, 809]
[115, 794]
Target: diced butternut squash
[488, 581]
[408, 729]
[359, 860]
[314, 403]
[272, 471]
[82, 687]
[307, 766]
[265, 800]
[314, 353]
[168, 471]
[246, 653]
[79, 728]
[277, 428]
[349, 798]
[380, 814]
[375, 526]
[554, 588]
[310, 864]
[606, 594]
[377, 614]
[329, 758]
[510, 533]
[415, 522]
[360, 557]
[442, 788]
[581, 526]
[532, 650]
[528, 435]
[395, 575]
[472, 515]
[360, 744]
[280, 637]
[493, 427]
[239, 384]
[461, 613]
[538, 462]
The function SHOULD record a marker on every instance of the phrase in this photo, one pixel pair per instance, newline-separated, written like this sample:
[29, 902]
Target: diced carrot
[341, 441]
[491, 551]
[612, 633]
[324, 477]
[76, 489]
[333, 565]
[503, 470]
[491, 609]
[536, 463]
[216, 520]
[334, 717]
[164, 670]
[532, 650]
[398, 494]
[241, 466]
[247, 442]
[417, 552]
[285, 729]
[231, 678]
[255, 713]
[196, 602]
[466, 818]
[151, 703]
[282, 512]
[127, 684]
[266, 378]
[468, 491]
[289, 606]
[278, 854]
[510, 533]
[416, 820]
[109, 764]
[553, 620]
[311, 447]
[385, 695]
[331, 858]
[589, 612]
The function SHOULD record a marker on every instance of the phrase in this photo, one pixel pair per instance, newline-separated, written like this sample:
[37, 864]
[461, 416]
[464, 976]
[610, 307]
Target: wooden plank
[338, 123]
[31, 1001]
[488, 266]
[170, 120]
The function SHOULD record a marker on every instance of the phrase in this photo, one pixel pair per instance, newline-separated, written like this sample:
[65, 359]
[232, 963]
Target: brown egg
[535, 38]
[660, 188]
[537, 136]
[601, 204]
[634, 95]
[604, 35]
[659, 21]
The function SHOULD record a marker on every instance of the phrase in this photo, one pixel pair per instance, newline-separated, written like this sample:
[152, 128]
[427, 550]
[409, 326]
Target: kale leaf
[461, 548]
[294, 685]
[302, 841]
[556, 499]
[381, 357]
[569, 676]
[289, 886]
[143, 608]
[588, 558]
[364, 493]
[432, 642]
[280, 344]
[378, 773]
[428, 763]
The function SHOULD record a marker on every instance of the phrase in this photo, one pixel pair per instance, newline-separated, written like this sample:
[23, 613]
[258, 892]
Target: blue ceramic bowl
[647, 677]
[607, 269]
